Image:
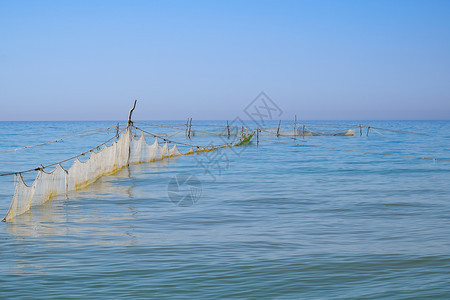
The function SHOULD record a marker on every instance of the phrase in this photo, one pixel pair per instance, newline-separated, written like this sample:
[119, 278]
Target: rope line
[309, 123]
[41, 167]
[180, 143]
[184, 125]
[357, 151]
[96, 129]
[363, 126]
[161, 126]
[60, 139]
[183, 129]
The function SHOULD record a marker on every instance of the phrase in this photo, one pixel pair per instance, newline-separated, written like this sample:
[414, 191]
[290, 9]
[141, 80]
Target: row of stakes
[189, 129]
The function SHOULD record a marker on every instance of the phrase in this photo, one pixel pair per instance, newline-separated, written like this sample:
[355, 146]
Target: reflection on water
[94, 211]
[50, 218]
[40, 220]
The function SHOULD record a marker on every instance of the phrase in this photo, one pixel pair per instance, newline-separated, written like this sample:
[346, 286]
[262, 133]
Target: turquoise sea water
[273, 221]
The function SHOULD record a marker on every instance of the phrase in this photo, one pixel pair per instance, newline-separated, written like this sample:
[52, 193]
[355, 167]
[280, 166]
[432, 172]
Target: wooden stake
[368, 128]
[228, 129]
[190, 128]
[257, 137]
[360, 130]
[295, 126]
[278, 129]
[187, 126]
[303, 132]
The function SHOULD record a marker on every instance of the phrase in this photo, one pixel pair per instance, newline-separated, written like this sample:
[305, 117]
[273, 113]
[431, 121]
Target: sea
[314, 217]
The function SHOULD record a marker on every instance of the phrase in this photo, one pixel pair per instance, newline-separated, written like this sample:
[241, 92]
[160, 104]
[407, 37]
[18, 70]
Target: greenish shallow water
[275, 221]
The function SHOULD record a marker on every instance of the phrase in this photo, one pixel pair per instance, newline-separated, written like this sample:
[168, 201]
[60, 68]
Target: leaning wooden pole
[130, 123]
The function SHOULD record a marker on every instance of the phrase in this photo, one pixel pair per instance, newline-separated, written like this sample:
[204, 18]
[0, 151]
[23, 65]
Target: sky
[319, 60]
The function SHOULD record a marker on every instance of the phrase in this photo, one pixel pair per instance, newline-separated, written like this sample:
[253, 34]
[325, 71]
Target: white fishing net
[109, 159]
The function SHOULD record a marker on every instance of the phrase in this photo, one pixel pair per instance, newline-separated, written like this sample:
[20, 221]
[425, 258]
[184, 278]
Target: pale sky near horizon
[326, 60]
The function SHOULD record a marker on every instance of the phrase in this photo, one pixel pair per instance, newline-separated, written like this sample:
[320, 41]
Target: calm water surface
[274, 221]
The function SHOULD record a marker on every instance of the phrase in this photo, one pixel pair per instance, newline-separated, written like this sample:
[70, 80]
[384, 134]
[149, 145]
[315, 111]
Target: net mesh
[109, 159]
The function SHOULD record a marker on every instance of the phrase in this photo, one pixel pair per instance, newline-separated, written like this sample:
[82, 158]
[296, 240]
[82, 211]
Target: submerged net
[109, 159]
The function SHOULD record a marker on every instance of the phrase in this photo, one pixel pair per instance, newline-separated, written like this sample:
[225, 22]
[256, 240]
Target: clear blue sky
[88, 60]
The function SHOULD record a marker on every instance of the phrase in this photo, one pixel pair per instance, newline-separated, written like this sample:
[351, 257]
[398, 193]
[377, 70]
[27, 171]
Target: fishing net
[107, 160]
[141, 151]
